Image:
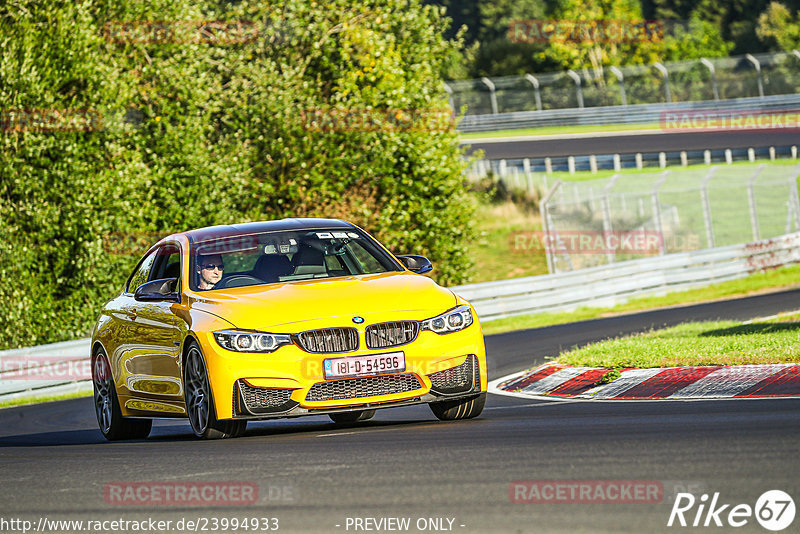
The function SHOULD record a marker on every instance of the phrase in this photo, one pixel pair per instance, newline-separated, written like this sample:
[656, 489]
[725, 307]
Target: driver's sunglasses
[210, 266]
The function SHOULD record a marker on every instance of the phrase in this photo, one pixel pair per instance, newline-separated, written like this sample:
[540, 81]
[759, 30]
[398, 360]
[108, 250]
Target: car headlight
[240, 341]
[451, 321]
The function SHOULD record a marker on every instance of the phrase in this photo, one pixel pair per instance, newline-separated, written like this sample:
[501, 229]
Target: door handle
[133, 314]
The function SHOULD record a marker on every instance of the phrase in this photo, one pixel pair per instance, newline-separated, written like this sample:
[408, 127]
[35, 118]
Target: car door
[154, 361]
[127, 333]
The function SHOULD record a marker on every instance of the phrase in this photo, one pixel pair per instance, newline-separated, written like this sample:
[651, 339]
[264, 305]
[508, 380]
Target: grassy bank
[45, 398]
[495, 258]
[704, 343]
[785, 277]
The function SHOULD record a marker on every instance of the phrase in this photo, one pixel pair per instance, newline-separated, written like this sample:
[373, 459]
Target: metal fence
[607, 285]
[45, 370]
[751, 75]
[631, 114]
[631, 216]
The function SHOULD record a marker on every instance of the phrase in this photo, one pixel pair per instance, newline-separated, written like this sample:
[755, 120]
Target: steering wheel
[238, 280]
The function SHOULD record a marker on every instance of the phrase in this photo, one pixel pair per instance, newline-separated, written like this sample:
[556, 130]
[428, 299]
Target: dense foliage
[297, 108]
[691, 29]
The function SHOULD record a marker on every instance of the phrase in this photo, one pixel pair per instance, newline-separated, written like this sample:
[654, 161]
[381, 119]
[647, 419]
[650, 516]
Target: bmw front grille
[391, 334]
[328, 340]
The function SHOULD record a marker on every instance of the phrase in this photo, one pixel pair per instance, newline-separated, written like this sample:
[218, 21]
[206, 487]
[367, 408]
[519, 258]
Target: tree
[779, 28]
[322, 109]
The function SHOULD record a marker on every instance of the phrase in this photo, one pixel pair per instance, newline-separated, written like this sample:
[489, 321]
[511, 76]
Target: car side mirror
[158, 290]
[416, 264]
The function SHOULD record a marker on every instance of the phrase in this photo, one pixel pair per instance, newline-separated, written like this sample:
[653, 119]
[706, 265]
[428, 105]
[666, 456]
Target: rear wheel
[459, 408]
[109, 415]
[200, 403]
[351, 417]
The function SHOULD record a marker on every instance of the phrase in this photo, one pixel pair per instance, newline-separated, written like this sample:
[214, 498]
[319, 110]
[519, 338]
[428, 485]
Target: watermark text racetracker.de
[585, 31]
[213, 32]
[586, 492]
[355, 119]
[45, 367]
[709, 120]
[774, 509]
[49, 120]
[222, 493]
[599, 242]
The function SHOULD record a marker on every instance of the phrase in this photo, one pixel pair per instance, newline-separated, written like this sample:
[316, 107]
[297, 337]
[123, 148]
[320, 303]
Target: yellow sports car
[281, 319]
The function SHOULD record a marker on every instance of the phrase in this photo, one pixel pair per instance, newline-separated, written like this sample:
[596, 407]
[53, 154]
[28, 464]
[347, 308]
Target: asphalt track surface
[313, 475]
[633, 143]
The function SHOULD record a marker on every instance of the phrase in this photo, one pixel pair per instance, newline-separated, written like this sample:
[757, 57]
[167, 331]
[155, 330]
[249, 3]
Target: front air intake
[458, 379]
[356, 388]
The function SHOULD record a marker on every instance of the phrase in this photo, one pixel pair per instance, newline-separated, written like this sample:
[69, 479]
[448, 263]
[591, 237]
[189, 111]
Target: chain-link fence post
[757, 65]
[607, 224]
[751, 200]
[537, 95]
[793, 207]
[578, 90]
[712, 70]
[492, 93]
[449, 91]
[662, 248]
[547, 224]
[665, 74]
[621, 79]
[707, 206]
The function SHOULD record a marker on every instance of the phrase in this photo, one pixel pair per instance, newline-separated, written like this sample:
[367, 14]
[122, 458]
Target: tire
[200, 402]
[351, 417]
[106, 405]
[459, 408]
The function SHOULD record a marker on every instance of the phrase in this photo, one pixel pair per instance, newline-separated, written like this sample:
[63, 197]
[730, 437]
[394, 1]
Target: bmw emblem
[358, 320]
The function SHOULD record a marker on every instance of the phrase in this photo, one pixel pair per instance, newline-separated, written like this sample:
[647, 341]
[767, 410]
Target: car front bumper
[290, 382]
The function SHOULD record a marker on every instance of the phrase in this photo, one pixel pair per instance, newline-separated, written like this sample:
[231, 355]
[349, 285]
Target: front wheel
[459, 408]
[200, 403]
[109, 415]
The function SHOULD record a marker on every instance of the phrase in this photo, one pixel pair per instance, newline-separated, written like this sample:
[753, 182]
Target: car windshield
[285, 256]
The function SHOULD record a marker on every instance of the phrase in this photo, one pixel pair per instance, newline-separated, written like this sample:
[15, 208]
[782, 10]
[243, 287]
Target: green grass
[784, 277]
[583, 176]
[703, 343]
[493, 252]
[44, 398]
[556, 130]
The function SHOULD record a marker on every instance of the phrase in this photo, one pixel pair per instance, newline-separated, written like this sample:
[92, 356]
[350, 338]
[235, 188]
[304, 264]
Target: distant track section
[627, 143]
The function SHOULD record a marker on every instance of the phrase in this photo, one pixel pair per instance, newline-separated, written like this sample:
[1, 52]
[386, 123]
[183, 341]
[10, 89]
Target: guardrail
[613, 284]
[632, 114]
[45, 370]
[60, 368]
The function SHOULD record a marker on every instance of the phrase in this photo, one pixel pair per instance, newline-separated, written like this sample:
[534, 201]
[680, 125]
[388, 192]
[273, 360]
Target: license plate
[374, 364]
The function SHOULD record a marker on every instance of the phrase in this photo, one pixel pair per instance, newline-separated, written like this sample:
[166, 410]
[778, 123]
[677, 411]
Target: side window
[167, 263]
[366, 261]
[140, 275]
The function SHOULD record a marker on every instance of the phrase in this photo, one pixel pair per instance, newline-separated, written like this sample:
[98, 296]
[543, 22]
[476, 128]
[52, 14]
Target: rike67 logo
[774, 510]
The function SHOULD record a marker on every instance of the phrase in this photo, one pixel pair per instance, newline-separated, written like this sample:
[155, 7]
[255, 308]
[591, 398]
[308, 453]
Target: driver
[209, 270]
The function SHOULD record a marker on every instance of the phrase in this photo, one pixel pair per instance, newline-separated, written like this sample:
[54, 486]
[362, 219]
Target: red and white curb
[558, 381]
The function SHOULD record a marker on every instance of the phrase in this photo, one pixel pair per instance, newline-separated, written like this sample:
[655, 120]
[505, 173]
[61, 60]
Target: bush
[209, 131]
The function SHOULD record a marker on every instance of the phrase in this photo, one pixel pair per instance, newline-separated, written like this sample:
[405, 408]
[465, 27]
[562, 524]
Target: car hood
[264, 306]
